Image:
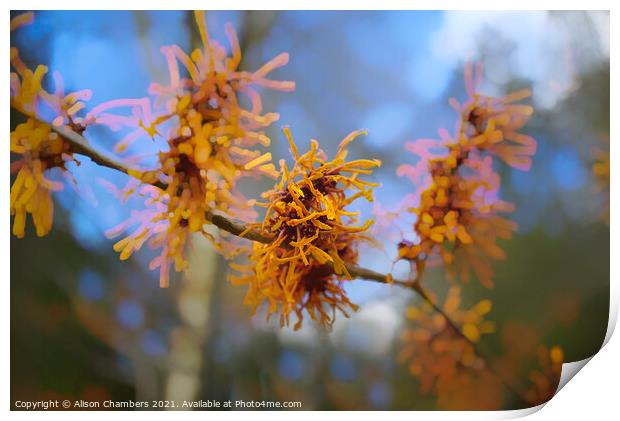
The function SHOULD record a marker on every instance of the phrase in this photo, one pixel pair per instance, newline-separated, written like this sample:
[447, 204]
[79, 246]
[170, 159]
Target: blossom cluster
[315, 237]
[212, 142]
[434, 351]
[39, 148]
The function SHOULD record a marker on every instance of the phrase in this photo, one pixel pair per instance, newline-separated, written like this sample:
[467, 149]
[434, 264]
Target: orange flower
[458, 213]
[39, 148]
[215, 128]
[436, 354]
[211, 145]
[315, 237]
[458, 221]
[491, 124]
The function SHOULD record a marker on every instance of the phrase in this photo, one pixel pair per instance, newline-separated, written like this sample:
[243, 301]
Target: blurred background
[86, 326]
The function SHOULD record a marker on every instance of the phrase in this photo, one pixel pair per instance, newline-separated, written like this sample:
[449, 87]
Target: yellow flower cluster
[38, 147]
[492, 124]
[546, 378]
[211, 144]
[435, 353]
[457, 217]
[314, 236]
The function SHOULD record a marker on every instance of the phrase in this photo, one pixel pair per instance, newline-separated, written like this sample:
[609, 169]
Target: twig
[80, 145]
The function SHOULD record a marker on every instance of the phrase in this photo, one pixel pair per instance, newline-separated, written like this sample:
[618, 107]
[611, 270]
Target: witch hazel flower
[211, 142]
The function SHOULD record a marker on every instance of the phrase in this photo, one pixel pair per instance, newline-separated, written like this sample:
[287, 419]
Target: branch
[80, 145]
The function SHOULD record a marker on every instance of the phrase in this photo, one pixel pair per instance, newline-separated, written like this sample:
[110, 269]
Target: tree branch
[80, 145]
